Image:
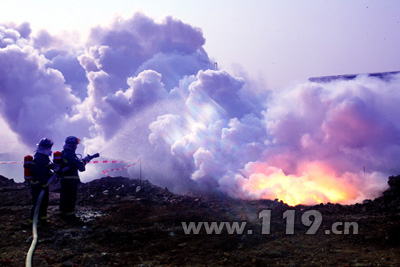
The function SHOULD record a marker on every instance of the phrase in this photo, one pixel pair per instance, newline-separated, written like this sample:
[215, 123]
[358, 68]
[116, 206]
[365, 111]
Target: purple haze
[140, 88]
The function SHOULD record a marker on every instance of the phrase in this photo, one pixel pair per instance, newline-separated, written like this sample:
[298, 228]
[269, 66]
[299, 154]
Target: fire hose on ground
[28, 262]
[57, 156]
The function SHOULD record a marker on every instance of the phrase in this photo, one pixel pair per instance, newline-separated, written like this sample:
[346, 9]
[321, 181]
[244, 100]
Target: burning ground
[129, 222]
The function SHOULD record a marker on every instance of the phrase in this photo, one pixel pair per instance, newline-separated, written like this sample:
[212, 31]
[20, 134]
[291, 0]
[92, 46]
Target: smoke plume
[138, 88]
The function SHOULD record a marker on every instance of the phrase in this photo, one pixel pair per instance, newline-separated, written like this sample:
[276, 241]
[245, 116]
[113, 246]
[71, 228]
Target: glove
[87, 159]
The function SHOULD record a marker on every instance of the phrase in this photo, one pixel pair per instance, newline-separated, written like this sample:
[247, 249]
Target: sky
[276, 42]
[137, 80]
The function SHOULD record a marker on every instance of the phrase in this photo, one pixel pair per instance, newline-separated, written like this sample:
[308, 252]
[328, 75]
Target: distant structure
[386, 76]
[215, 66]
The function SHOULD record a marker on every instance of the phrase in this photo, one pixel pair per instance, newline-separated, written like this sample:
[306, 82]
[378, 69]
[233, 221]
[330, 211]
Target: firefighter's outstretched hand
[86, 159]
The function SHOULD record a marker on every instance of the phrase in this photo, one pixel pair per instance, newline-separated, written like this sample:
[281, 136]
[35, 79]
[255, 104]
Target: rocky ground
[128, 222]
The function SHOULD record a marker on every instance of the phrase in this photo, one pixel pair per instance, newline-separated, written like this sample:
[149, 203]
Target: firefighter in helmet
[41, 173]
[69, 181]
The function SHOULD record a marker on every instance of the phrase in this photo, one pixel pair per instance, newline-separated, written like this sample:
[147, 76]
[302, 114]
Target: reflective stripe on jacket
[74, 164]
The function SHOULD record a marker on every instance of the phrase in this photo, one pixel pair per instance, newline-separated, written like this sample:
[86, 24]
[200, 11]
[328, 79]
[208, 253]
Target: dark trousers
[35, 192]
[68, 195]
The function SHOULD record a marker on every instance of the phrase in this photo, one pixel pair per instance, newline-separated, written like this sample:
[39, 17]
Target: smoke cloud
[144, 89]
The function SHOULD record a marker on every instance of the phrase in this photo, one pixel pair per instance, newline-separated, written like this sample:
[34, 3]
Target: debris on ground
[131, 222]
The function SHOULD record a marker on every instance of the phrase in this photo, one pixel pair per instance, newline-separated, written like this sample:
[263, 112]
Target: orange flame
[316, 184]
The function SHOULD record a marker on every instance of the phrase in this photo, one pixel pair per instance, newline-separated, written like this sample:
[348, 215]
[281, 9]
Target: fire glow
[317, 184]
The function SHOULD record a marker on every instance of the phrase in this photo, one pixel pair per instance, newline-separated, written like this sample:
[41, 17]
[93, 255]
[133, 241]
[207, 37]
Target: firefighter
[41, 173]
[69, 181]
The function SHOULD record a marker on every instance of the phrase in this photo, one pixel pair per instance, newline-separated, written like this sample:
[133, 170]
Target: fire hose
[28, 262]
[28, 176]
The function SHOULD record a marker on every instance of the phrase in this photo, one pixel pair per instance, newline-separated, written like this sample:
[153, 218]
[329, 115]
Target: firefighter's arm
[73, 162]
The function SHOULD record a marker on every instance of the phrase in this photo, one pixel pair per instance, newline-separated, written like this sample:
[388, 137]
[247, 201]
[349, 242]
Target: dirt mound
[130, 222]
[5, 182]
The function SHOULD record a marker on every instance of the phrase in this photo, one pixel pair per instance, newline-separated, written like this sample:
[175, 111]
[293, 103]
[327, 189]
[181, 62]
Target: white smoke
[144, 89]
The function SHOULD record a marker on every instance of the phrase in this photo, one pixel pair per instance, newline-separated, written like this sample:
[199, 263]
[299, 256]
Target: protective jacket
[71, 164]
[41, 173]
[41, 170]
